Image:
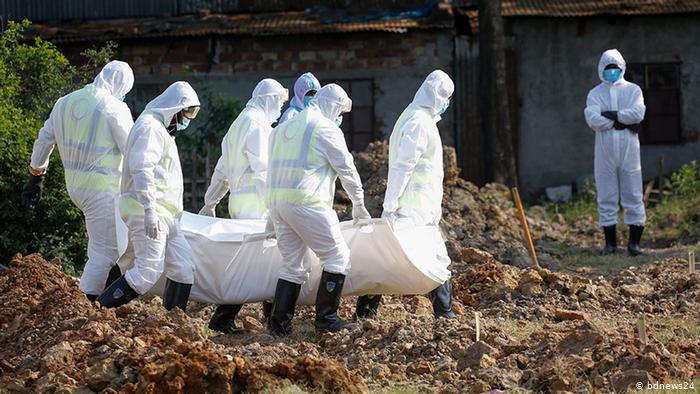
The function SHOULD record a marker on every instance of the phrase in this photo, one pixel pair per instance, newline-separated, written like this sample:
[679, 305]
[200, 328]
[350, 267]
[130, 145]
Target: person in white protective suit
[151, 202]
[242, 171]
[614, 110]
[90, 127]
[414, 185]
[307, 154]
[305, 89]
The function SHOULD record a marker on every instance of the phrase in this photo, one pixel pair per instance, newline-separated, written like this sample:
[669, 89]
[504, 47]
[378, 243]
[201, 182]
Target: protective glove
[31, 194]
[612, 115]
[635, 128]
[208, 210]
[151, 223]
[359, 212]
[619, 126]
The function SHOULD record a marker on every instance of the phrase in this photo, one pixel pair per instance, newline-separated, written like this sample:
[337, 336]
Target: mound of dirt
[53, 338]
[482, 218]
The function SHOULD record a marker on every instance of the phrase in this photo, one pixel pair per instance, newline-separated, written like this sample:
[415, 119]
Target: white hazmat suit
[414, 183]
[304, 84]
[152, 181]
[307, 154]
[242, 167]
[618, 171]
[90, 127]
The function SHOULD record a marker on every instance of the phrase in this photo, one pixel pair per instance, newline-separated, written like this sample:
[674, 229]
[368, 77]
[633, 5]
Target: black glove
[612, 115]
[635, 128]
[619, 126]
[31, 194]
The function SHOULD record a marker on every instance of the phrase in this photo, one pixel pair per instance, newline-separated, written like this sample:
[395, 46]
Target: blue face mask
[612, 74]
[339, 120]
[182, 125]
[444, 107]
[121, 98]
[307, 100]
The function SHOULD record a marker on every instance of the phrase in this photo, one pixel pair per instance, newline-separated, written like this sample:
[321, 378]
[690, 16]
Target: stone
[58, 356]
[420, 367]
[567, 314]
[100, 374]
[422, 305]
[251, 323]
[637, 290]
[478, 355]
[476, 256]
[629, 379]
[529, 283]
[579, 340]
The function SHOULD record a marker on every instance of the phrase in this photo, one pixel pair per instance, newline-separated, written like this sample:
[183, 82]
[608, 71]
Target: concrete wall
[557, 62]
[397, 64]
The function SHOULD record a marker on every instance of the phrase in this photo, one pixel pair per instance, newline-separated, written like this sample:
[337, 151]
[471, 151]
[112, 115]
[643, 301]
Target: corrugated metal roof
[578, 8]
[575, 8]
[245, 24]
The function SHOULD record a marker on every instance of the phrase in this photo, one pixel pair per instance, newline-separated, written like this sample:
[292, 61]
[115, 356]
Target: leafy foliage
[33, 75]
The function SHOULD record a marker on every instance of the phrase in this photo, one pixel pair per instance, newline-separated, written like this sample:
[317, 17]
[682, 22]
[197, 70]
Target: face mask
[444, 107]
[121, 98]
[307, 100]
[182, 125]
[612, 75]
[339, 120]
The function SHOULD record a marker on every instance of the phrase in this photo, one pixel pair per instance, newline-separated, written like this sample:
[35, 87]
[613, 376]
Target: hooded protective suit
[618, 171]
[242, 168]
[90, 127]
[414, 184]
[303, 85]
[307, 154]
[153, 180]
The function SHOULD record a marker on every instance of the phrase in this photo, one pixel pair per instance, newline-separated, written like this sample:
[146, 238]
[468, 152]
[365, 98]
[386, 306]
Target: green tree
[33, 75]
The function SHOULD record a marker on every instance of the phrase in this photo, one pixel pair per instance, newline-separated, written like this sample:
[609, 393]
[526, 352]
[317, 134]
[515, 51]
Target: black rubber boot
[113, 275]
[286, 295]
[267, 311]
[442, 301]
[367, 306]
[327, 303]
[176, 294]
[117, 294]
[610, 240]
[91, 297]
[223, 319]
[635, 237]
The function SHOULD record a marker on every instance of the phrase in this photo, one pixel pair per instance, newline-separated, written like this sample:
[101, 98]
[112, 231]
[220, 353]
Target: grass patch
[517, 329]
[669, 330]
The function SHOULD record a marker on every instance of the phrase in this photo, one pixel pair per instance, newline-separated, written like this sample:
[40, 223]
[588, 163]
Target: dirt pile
[53, 338]
[473, 217]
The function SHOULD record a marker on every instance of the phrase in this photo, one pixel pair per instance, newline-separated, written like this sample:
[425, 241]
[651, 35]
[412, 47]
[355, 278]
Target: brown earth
[542, 330]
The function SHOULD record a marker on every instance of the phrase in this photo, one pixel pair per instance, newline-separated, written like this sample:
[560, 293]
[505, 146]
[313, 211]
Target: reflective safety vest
[91, 158]
[243, 200]
[424, 189]
[297, 174]
[167, 175]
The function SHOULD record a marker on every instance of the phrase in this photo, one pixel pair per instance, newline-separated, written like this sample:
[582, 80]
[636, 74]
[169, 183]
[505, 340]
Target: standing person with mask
[151, 202]
[614, 110]
[242, 171]
[305, 89]
[90, 127]
[414, 185]
[307, 154]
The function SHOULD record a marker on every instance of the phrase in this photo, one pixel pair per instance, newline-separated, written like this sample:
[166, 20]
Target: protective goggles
[346, 106]
[190, 112]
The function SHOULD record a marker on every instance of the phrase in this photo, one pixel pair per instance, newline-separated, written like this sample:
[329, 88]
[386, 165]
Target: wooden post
[661, 178]
[642, 329]
[477, 324]
[526, 228]
[691, 262]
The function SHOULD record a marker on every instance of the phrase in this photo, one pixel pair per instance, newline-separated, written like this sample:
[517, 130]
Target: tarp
[236, 262]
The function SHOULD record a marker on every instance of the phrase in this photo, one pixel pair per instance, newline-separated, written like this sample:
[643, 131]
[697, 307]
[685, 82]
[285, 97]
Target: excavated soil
[541, 330]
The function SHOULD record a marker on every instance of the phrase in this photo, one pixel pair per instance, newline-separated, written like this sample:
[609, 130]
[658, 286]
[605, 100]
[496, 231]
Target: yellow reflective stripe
[129, 206]
[244, 203]
[92, 181]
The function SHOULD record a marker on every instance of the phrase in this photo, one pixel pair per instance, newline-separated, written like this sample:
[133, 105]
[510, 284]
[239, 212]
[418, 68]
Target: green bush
[33, 75]
[686, 181]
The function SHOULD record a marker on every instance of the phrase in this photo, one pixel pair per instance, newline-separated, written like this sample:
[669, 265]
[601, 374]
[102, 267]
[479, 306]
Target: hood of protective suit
[268, 96]
[174, 99]
[434, 92]
[611, 56]
[304, 83]
[332, 101]
[116, 77]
